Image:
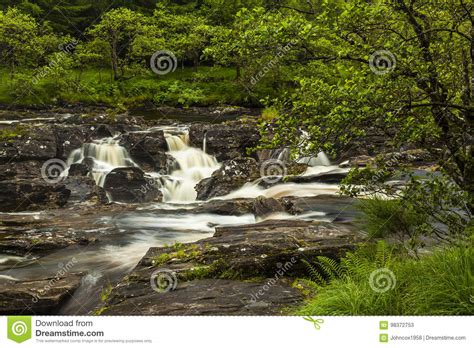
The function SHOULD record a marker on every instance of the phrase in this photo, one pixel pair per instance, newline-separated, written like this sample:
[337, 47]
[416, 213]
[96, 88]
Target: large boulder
[225, 140]
[84, 189]
[229, 177]
[263, 207]
[31, 194]
[70, 137]
[130, 185]
[148, 149]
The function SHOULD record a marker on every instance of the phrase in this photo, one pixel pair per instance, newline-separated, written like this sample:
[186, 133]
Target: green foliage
[23, 42]
[177, 94]
[9, 134]
[354, 264]
[382, 218]
[105, 292]
[431, 205]
[440, 283]
[269, 114]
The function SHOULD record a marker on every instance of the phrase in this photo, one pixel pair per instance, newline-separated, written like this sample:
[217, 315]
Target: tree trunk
[114, 55]
[196, 62]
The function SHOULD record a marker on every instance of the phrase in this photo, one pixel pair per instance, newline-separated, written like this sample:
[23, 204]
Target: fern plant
[354, 265]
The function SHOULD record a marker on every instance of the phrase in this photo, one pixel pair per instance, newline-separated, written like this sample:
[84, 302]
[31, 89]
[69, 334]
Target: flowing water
[126, 237]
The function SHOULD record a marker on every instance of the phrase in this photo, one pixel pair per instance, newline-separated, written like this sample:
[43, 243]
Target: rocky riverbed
[162, 213]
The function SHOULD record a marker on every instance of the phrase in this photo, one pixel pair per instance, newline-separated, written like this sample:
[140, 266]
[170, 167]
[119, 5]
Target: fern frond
[331, 268]
[356, 265]
[383, 254]
[314, 273]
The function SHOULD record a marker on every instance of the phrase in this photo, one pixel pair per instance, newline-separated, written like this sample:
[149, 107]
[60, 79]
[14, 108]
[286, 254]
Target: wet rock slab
[210, 297]
[41, 296]
[24, 194]
[222, 274]
[42, 232]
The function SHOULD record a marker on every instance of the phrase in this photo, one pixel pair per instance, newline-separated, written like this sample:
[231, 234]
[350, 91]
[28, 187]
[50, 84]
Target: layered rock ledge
[241, 270]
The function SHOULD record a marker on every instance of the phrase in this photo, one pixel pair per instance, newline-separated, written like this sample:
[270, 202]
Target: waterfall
[106, 153]
[320, 160]
[194, 165]
[204, 143]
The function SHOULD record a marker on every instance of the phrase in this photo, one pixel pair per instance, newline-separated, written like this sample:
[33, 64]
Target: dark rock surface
[30, 143]
[24, 194]
[208, 297]
[41, 296]
[230, 176]
[227, 140]
[21, 170]
[238, 206]
[263, 207]
[223, 274]
[44, 232]
[130, 185]
[71, 137]
[148, 149]
[79, 169]
[84, 189]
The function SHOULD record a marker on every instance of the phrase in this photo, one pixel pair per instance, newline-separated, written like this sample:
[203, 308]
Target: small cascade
[320, 160]
[194, 165]
[106, 153]
[204, 143]
[284, 155]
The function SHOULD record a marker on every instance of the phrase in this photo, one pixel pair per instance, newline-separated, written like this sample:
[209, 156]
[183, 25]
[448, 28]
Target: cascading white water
[320, 160]
[107, 155]
[204, 143]
[194, 165]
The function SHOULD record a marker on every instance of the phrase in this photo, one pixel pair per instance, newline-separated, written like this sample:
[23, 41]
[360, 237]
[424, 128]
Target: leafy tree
[23, 42]
[404, 65]
[186, 35]
[119, 28]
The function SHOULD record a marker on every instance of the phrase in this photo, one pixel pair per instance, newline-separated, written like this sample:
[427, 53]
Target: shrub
[382, 218]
